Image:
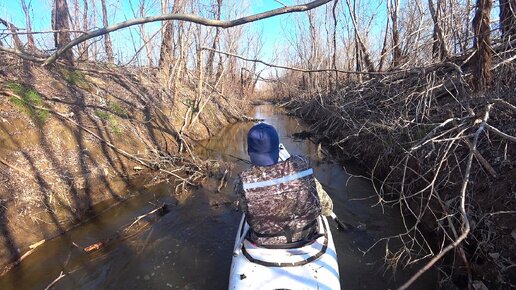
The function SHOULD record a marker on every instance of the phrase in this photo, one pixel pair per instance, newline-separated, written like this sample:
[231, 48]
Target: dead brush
[432, 145]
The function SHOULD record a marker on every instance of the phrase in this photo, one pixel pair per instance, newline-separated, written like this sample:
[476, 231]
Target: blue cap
[263, 145]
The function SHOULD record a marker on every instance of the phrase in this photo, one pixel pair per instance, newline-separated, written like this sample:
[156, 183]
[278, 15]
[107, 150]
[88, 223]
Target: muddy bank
[414, 133]
[74, 137]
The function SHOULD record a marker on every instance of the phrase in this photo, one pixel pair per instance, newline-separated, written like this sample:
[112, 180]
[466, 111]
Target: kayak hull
[313, 266]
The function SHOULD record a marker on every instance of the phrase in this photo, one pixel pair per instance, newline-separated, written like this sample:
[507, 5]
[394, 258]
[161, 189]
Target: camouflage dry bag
[281, 202]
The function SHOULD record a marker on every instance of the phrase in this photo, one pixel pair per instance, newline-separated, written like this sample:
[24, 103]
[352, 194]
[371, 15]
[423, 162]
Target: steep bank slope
[71, 137]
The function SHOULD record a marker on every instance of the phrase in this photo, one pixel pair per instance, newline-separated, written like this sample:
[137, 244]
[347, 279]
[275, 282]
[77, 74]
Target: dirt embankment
[73, 137]
[415, 132]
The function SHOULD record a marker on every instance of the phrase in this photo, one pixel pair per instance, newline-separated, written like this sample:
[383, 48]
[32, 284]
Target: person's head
[263, 145]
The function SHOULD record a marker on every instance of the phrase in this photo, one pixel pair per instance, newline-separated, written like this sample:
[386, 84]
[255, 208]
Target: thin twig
[61, 276]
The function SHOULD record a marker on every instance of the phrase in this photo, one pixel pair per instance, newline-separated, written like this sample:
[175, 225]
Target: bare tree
[361, 50]
[18, 44]
[383, 53]
[171, 57]
[30, 37]
[334, 41]
[484, 54]
[211, 54]
[107, 38]
[439, 45]
[166, 55]
[396, 46]
[84, 46]
[60, 24]
[94, 24]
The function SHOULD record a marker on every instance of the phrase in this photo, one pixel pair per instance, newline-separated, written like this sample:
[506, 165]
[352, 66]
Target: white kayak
[313, 266]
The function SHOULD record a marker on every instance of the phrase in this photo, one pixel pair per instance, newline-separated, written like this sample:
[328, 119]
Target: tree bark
[107, 38]
[146, 40]
[84, 46]
[361, 49]
[94, 47]
[30, 38]
[18, 44]
[166, 54]
[75, 20]
[396, 58]
[383, 53]
[211, 55]
[60, 23]
[439, 50]
[483, 56]
[334, 56]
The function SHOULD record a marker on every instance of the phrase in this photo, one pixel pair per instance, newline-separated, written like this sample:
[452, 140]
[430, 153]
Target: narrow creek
[191, 246]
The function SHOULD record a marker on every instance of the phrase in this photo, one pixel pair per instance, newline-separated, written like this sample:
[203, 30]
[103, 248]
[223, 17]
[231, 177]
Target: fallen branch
[22, 54]
[223, 180]
[500, 133]
[302, 69]
[162, 210]
[505, 104]
[61, 275]
[32, 248]
[124, 234]
[187, 18]
[466, 225]
[481, 159]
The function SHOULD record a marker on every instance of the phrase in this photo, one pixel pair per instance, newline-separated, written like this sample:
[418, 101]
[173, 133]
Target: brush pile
[441, 154]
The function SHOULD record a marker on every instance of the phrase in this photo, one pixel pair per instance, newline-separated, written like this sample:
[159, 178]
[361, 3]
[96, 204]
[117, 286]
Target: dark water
[190, 247]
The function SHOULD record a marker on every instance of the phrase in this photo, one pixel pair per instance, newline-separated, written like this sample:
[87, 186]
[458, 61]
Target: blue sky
[272, 28]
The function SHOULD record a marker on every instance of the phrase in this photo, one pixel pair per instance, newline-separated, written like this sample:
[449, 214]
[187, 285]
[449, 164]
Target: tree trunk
[383, 53]
[60, 23]
[18, 44]
[146, 40]
[396, 58]
[107, 38]
[358, 59]
[362, 49]
[30, 38]
[84, 46]
[439, 50]
[508, 18]
[484, 53]
[166, 53]
[75, 20]
[334, 56]
[465, 43]
[211, 55]
[94, 16]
